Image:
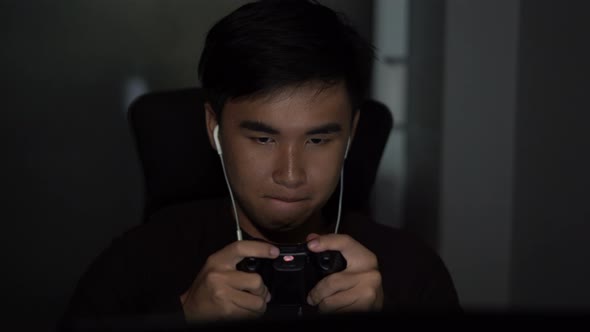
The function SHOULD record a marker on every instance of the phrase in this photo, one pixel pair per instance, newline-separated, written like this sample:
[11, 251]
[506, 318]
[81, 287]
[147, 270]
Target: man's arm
[439, 294]
[108, 296]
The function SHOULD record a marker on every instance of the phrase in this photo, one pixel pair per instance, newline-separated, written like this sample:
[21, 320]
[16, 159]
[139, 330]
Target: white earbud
[216, 139]
[341, 187]
[347, 147]
[231, 195]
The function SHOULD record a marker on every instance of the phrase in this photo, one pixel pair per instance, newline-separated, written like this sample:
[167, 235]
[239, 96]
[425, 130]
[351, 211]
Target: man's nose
[289, 167]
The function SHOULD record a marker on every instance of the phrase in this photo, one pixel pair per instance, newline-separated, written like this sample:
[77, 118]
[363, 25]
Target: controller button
[251, 264]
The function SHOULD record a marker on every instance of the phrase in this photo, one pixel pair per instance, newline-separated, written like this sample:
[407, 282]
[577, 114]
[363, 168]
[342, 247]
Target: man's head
[267, 45]
[283, 80]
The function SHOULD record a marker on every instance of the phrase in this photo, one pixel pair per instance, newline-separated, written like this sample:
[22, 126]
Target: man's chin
[280, 230]
[282, 225]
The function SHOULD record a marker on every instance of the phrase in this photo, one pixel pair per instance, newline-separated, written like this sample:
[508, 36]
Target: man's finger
[249, 302]
[249, 282]
[358, 257]
[329, 286]
[330, 242]
[235, 252]
[311, 236]
[355, 291]
[346, 301]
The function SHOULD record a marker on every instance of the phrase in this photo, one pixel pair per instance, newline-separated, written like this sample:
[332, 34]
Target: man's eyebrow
[329, 128]
[258, 126]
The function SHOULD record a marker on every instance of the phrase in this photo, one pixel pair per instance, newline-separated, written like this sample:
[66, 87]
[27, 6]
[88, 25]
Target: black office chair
[179, 164]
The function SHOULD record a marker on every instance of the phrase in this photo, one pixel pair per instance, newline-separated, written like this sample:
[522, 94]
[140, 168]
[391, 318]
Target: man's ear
[210, 122]
[355, 122]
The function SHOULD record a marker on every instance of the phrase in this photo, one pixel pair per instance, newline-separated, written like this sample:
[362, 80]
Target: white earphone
[216, 139]
[231, 195]
[347, 147]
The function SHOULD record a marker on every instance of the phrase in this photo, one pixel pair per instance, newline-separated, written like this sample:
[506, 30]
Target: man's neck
[315, 224]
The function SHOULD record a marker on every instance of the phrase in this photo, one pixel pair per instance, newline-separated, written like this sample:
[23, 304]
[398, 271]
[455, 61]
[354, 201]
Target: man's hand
[357, 288]
[220, 291]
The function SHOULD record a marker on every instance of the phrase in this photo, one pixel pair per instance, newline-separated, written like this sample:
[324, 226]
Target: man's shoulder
[396, 246]
[367, 229]
[188, 211]
[173, 225]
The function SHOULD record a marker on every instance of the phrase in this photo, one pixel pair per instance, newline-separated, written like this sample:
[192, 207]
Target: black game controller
[291, 275]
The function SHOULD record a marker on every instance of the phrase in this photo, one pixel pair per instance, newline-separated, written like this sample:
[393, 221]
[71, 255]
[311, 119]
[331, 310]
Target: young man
[283, 81]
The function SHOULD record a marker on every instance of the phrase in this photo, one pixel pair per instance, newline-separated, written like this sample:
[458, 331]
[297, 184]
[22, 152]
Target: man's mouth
[288, 199]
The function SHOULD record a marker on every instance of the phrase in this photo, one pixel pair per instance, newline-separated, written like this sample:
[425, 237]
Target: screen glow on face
[283, 155]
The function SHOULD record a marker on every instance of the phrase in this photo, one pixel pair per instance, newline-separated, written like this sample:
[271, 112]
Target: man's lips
[287, 199]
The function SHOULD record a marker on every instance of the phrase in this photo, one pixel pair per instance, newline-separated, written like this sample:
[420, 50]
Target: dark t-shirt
[138, 279]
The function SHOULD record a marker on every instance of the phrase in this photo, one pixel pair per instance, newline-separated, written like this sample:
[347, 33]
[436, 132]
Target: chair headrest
[180, 165]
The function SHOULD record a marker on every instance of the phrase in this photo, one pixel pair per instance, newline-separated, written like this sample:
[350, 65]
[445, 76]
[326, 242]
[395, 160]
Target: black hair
[267, 45]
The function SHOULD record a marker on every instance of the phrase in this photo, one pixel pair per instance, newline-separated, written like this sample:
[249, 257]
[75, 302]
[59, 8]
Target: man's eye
[318, 141]
[262, 140]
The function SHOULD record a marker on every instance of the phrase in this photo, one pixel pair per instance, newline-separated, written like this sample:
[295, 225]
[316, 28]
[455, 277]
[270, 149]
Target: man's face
[283, 153]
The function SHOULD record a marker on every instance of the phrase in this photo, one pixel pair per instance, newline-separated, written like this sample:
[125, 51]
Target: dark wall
[551, 193]
[478, 130]
[424, 116]
[515, 217]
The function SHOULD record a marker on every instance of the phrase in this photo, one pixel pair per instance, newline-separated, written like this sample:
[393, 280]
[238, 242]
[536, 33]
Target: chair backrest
[179, 164]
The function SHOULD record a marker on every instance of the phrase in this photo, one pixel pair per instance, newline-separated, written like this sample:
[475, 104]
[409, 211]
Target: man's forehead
[308, 92]
[313, 99]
